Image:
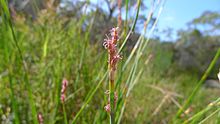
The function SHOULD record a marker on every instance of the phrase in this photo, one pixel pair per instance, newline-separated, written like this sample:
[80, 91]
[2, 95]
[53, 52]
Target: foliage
[37, 54]
[210, 20]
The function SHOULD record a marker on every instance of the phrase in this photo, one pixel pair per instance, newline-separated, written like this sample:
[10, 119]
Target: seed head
[40, 118]
[107, 108]
[110, 44]
[113, 57]
[63, 90]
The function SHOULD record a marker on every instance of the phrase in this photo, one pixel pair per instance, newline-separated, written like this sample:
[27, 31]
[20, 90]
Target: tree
[31, 7]
[194, 51]
[208, 22]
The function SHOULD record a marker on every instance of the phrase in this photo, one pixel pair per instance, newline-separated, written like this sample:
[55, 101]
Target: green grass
[37, 55]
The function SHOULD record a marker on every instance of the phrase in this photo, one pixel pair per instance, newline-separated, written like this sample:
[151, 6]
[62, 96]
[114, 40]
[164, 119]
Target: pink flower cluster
[40, 118]
[108, 106]
[110, 45]
[113, 57]
[63, 90]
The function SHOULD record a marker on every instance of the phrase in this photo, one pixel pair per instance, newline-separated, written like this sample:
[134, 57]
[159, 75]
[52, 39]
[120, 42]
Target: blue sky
[178, 12]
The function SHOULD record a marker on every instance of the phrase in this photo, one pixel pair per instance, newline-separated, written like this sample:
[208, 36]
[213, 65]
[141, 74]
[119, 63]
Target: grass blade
[196, 89]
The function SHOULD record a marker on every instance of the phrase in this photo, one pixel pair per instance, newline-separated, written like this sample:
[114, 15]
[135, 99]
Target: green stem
[26, 78]
[89, 98]
[196, 116]
[132, 28]
[112, 90]
[64, 113]
[196, 89]
[14, 101]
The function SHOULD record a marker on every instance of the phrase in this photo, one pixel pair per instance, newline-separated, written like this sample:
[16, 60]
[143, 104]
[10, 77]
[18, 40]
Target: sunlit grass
[37, 55]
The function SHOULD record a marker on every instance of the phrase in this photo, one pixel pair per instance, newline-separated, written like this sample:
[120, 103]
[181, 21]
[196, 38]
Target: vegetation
[54, 68]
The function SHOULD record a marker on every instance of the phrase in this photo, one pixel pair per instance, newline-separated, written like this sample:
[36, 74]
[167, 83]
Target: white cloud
[169, 18]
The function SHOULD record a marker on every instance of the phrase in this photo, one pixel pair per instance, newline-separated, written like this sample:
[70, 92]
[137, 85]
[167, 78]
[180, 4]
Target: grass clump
[36, 55]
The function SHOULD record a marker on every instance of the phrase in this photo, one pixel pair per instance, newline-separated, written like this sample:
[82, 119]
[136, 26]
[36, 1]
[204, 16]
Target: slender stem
[64, 113]
[195, 117]
[23, 63]
[14, 100]
[132, 28]
[89, 98]
[111, 89]
[209, 116]
[196, 89]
